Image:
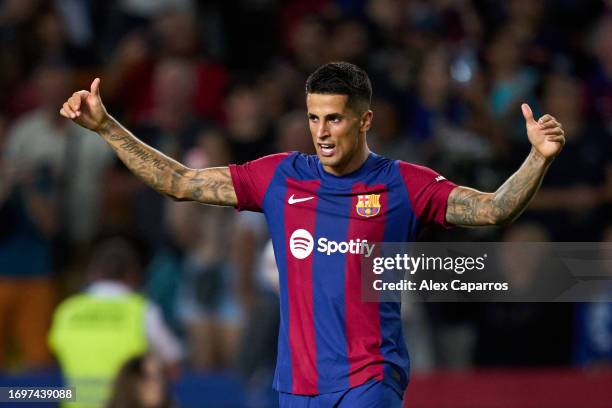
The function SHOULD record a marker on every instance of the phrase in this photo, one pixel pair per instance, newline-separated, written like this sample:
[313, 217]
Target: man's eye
[335, 120]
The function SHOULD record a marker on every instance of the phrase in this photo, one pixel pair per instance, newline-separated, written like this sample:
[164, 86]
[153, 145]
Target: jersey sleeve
[252, 179]
[428, 192]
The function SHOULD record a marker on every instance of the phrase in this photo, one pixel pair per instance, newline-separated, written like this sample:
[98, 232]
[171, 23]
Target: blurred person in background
[51, 191]
[257, 352]
[578, 189]
[432, 107]
[386, 134]
[141, 383]
[183, 226]
[349, 42]
[28, 223]
[207, 301]
[32, 33]
[95, 332]
[248, 129]
[511, 80]
[173, 34]
[306, 42]
[37, 139]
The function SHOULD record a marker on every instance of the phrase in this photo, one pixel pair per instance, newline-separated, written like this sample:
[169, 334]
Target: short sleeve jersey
[329, 340]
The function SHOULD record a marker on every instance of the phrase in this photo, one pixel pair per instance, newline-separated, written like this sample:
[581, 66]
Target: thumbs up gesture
[546, 134]
[86, 108]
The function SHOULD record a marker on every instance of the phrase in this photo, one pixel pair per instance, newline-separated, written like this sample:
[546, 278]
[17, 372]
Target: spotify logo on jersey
[301, 243]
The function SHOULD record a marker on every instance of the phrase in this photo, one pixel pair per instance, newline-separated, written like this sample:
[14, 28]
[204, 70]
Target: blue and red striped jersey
[329, 339]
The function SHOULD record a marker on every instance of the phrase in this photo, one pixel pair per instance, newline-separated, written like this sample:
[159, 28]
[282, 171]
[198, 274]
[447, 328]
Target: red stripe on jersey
[300, 214]
[428, 193]
[362, 319]
[251, 180]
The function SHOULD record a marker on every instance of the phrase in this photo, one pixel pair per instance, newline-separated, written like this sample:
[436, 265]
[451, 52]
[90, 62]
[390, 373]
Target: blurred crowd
[218, 82]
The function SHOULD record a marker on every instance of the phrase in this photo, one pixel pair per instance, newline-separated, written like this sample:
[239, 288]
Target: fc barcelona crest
[368, 205]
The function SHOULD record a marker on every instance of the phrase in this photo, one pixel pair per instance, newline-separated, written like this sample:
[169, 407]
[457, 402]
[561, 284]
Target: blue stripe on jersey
[401, 226]
[296, 167]
[407, 232]
[275, 208]
[328, 289]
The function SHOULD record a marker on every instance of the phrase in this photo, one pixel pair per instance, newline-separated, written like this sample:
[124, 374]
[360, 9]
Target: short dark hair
[342, 78]
[114, 259]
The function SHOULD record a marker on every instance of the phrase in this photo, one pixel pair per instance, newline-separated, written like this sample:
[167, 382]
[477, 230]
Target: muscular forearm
[511, 199]
[469, 207]
[169, 177]
[150, 165]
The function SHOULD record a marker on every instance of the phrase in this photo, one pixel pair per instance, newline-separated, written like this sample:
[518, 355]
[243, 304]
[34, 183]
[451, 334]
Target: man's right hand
[86, 108]
[164, 174]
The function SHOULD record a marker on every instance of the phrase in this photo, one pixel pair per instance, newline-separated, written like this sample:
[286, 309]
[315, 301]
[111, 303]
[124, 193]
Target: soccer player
[333, 349]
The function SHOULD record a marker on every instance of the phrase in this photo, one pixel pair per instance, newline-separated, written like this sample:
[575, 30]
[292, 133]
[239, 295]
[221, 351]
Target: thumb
[95, 87]
[527, 113]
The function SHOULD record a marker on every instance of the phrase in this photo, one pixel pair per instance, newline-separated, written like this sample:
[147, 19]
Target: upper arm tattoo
[211, 186]
[469, 207]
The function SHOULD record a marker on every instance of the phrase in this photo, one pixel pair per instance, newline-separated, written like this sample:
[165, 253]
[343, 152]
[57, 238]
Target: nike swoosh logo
[298, 200]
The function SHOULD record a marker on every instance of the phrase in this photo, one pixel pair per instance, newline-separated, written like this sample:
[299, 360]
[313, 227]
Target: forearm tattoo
[169, 177]
[469, 207]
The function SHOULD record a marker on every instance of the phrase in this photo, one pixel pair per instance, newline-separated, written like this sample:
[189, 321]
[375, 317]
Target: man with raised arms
[333, 349]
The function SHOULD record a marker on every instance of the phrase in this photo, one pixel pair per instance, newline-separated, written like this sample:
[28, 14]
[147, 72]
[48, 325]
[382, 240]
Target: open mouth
[327, 149]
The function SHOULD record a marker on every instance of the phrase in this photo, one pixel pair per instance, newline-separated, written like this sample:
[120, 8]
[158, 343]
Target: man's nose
[323, 130]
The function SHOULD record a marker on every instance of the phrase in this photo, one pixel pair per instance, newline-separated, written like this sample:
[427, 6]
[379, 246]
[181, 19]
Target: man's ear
[366, 121]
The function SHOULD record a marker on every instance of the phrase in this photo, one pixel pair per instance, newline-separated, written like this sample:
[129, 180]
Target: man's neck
[355, 163]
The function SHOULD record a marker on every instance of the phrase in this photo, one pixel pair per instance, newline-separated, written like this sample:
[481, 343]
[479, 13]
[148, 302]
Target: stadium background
[215, 82]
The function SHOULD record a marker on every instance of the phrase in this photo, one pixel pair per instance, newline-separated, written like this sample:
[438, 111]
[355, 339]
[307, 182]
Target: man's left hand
[546, 134]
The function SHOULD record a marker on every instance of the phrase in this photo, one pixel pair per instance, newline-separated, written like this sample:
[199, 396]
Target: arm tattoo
[169, 177]
[469, 207]
[212, 186]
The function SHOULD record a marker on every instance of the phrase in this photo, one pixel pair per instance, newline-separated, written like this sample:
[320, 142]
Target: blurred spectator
[41, 141]
[172, 123]
[207, 304]
[292, 133]
[432, 106]
[307, 40]
[257, 352]
[184, 225]
[511, 81]
[385, 137]
[28, 222]
[577, 186]
[249, 132]
[349, 42]
[95, 332]
[141, 383]
[34, 33]
[131, 77]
